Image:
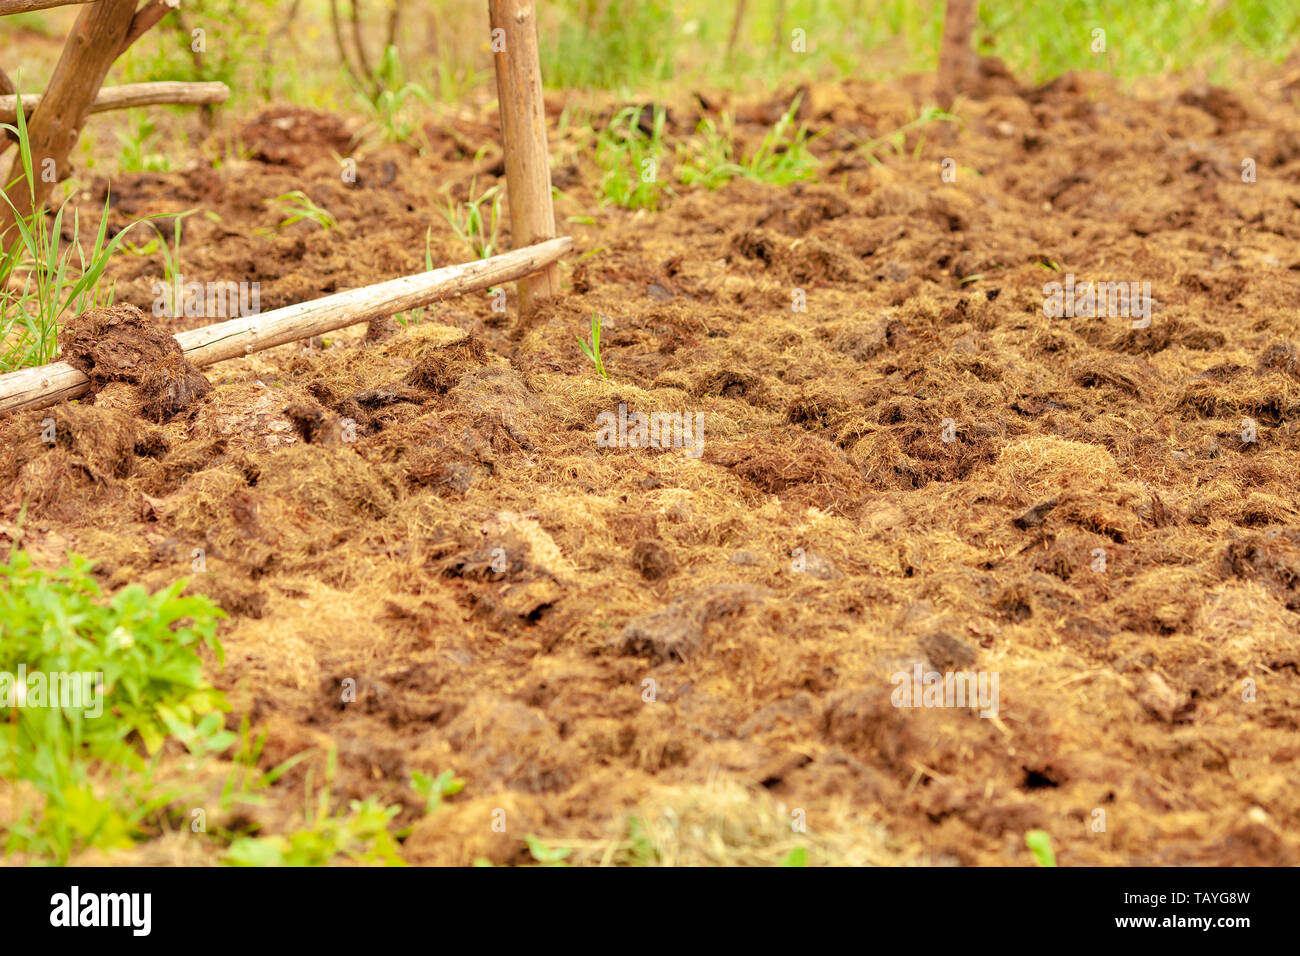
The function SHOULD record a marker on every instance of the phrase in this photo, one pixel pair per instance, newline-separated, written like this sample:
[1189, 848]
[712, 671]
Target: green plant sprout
[782, 157]
[134, 155]
[137, 658]
[416, 315]
[299, 207]
[42, 279]
[389, 105]
[896, 139]
[592, 350]
[471, 225]
[1040, 845]
[433, 789]
[630, 158]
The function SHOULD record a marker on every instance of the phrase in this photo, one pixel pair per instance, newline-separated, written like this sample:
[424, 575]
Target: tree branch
[145, 18]
[171, 92]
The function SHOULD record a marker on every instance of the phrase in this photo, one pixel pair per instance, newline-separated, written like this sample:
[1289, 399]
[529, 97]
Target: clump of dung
[122, 344]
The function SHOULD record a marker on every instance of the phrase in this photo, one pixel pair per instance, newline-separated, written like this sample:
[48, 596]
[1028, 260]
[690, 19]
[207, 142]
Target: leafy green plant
[171, 256]
[781, 158]
[434, 789]
[1040, 845]
[390, 107]
[245, 783]
[613, 44]
[42, 278]
[897, 139]
[116, 675]
[472, 226]
[630, 158]
[134, 155]
[547, 855]
[361, 835]
[173, 49]
[416, 315]
[297, 206]
[796, 857]
[592, 349]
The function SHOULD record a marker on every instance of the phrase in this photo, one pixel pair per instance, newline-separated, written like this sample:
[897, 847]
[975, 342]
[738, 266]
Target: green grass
[1040, 845]
[400, 106]
[85, 764]
[630, 160]
[476, 222]
[43, 278]
[634, 162]
[592, 349]
[296, 206]
[416, 315]
[361, 836]
[897, 139]
[650, 46]
[171, 256]
[781, 158]
[136, 154]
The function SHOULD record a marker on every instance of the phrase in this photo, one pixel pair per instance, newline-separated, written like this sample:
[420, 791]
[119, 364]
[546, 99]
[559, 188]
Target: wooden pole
[146, 18]
[47, 384]
[8, 7]
[122, 97]
[957, 59]
[523, 134]
[93, 45]
[736, 22]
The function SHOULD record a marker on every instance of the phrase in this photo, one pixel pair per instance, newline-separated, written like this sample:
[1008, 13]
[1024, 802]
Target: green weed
[629, 158]
[44, 279]
[360, 835]
[297, 206]
[391, 108]
[135, 155]
[1040, 845]
[592, 349]
[105, 678]
[782, 157]
[476, 222]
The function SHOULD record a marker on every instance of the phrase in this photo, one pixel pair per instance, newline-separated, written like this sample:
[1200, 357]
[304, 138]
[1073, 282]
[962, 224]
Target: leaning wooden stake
[95, 42]
[23, 6]
[48, 384]
[523, 131]
[173, 92]
[957, 59]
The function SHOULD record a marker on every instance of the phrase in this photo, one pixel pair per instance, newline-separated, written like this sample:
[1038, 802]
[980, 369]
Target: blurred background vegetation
[290, 49]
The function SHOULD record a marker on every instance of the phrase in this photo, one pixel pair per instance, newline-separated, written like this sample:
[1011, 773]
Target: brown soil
[501, 589]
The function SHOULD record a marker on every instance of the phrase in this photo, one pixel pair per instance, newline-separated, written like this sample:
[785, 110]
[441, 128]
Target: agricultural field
[901, 473]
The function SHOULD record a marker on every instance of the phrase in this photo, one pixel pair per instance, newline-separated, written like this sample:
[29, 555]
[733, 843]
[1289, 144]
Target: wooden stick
[8, 7]
[957, 59]
[55, 125]
[145, 18]
[162, 92]
[172, 92]
[523, 133]
[736, 22]
[48, 384]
